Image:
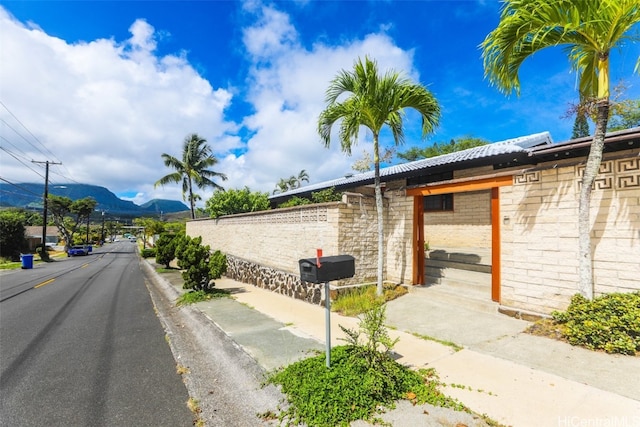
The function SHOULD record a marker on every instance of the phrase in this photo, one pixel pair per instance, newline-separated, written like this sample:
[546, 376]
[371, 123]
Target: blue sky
[106, 87]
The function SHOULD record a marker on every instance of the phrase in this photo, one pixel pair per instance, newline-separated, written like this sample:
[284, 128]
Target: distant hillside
[29, 196]
[160, 206]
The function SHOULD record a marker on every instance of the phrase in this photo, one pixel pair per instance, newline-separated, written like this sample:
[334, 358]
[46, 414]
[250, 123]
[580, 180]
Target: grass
[193, 297]
[451, 344]
[355, 301]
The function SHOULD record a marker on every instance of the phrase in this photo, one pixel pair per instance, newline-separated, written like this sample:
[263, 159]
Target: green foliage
[193, 258]
[68, 215]
[12, 229]
[355, 387]
[322, 196]
[199, 265]
[295, 201]
[148, 252]
[610, 322]
[438, 149]
[166, 249]
[234, 201]
[624, 115]
[217, 265]
[193, 297]
[358, 300]
[326, 195]
[192, 170]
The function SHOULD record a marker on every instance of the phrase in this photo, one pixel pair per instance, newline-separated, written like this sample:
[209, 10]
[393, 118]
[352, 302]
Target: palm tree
[303, 176]
[282, 186]
[373, 101]
[192, 169]
[588, 30]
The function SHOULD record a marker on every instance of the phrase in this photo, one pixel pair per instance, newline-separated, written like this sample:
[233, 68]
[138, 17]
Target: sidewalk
[514, 378]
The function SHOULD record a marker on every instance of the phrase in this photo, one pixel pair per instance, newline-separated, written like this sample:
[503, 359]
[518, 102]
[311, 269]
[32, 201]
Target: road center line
[43, 283]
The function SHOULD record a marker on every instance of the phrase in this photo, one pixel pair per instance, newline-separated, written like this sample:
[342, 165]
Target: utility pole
[45, 204]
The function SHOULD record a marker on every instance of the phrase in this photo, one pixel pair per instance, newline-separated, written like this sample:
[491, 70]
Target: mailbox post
[323, 270]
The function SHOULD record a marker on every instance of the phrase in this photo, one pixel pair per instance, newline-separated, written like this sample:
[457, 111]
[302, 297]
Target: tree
[588, 30]
[373, 101]
[291, 183]
[192, 169]
[150, 227]
[303, 176]
[580, 126]
[166, 249]
[236, 201]
[67, 215]
[438, 149]
[12, 229]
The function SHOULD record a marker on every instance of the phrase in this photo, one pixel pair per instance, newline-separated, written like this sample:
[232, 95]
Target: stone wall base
[274, 280]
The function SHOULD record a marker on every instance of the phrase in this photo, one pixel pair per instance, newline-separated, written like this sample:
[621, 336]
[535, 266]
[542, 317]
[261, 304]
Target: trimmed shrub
[610, 322]
[148, 252]
[166, 249]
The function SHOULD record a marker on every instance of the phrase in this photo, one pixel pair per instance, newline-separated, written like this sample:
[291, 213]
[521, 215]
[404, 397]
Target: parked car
[78, 250]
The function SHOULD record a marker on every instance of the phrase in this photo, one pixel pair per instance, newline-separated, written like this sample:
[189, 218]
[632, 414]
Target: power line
[30, 133]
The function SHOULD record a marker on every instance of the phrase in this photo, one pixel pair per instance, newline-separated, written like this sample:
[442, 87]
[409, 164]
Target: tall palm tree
[192, 169]
[588, 30]
[303, 176]
[373, 100]
[282, 186]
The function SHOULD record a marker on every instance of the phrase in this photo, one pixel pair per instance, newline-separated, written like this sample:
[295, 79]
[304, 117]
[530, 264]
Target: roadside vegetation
[362, 381]
[610, 323]
[200, 267]
[358, 300]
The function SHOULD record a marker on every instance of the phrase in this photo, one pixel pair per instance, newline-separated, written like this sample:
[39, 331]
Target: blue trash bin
[27, 260]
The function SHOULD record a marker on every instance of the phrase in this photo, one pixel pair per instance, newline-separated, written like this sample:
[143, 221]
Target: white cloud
[108, 109]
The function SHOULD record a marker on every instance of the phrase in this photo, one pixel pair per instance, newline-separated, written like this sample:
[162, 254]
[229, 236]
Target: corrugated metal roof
[515, 145]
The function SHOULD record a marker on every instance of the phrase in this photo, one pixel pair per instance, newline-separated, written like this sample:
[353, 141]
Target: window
[441, 202]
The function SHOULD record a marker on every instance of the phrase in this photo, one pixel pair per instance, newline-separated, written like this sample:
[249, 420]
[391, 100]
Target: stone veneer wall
[539, 230]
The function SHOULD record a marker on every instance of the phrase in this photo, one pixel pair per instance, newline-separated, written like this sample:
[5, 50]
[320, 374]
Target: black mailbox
[330, 268]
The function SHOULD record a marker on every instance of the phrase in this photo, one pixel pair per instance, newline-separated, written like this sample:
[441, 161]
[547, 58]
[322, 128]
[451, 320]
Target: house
[33, 234]
[503, 214]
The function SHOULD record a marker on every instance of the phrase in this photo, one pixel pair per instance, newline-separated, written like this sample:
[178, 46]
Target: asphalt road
[81, 345]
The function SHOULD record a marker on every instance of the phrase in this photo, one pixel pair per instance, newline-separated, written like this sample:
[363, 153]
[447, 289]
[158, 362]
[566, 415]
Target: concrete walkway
[514, 378]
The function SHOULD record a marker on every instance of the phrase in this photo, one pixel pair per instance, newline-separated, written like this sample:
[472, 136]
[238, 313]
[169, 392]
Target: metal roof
[521, 144]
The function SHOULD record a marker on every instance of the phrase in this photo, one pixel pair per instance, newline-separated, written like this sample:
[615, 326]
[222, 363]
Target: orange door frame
[490, 183]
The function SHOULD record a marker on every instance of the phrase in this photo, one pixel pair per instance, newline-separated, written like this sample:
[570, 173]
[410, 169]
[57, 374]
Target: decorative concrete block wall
[539, 229]
[264, 248]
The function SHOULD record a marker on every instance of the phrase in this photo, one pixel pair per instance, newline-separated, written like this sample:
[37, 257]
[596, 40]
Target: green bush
[166, 249]
[217, 265]
[148, 252]
[610, 322]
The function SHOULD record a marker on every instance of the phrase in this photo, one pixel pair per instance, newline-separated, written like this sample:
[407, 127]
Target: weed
[193, 297]
[453, 345]
[358, 300]
[181, 370]
[363, 379]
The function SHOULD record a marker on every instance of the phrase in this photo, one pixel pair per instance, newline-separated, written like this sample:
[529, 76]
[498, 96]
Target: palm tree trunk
[586, 285]
[379, 212]
[191, 201]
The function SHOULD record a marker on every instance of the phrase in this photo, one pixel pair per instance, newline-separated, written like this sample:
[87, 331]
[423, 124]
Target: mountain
[29, 196]
[160, 206]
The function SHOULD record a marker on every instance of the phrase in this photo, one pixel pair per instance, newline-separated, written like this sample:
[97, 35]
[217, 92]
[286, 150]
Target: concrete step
[478, 301]
[481, 278]
[461, 255]
[448, 264]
